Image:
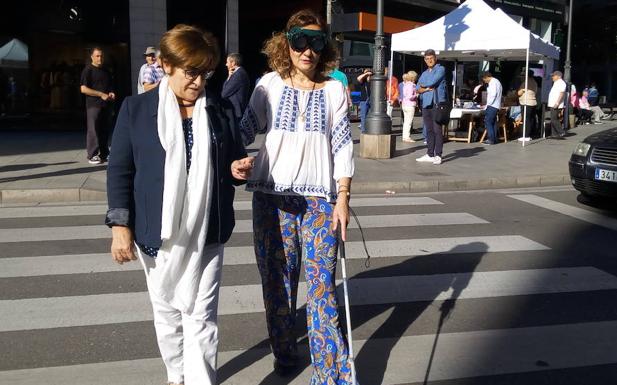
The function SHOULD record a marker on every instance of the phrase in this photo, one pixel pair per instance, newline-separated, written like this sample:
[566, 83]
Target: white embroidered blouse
[308, 145]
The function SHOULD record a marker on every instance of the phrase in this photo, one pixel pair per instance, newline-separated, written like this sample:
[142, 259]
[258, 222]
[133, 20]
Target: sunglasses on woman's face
[192, 74]
[301, 39]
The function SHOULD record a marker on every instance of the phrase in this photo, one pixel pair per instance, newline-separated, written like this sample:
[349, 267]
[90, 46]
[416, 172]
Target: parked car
[593, 165]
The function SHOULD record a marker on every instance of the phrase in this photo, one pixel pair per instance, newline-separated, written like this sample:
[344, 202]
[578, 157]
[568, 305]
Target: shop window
[360, 48]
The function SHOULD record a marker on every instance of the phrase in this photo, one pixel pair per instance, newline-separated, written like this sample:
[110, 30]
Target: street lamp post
[568, 66]
[377, 120]
[567, 73]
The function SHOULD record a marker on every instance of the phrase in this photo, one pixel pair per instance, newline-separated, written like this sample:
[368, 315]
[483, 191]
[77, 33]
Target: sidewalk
[50, 166]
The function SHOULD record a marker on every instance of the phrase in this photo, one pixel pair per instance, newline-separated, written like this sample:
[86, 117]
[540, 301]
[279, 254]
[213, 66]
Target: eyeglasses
[301, 39]
[192, 74]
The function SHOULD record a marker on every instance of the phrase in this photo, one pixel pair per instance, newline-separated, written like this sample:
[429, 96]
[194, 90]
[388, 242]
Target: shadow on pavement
[372, 360]
[407, 151]
[74, 171]
[36, 142]
[463, 153]
[21, 167]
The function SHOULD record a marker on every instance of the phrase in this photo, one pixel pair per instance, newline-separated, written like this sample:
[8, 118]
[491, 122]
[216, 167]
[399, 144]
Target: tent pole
[526, 97]
[390, 74]
[455, 81]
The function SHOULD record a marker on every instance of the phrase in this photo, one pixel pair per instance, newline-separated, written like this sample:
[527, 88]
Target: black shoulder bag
[442, 110]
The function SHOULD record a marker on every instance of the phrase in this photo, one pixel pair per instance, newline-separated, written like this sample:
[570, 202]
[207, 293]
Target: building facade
[594, 46]
[60, 33]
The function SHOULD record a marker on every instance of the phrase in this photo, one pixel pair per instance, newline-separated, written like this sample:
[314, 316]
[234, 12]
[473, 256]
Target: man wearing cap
[556, 103]
[150, 56]
[153, 73]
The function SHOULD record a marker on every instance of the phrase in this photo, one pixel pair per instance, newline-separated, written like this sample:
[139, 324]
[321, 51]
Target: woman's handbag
[442, 110]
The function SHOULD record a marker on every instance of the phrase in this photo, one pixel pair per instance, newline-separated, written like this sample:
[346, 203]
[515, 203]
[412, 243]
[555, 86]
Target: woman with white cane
[301, 182]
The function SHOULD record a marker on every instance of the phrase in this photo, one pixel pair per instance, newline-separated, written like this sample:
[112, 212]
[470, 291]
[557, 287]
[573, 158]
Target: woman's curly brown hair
[277, 47]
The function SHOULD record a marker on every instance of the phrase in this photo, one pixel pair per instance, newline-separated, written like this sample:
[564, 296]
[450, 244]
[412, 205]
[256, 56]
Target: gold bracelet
[347, 193]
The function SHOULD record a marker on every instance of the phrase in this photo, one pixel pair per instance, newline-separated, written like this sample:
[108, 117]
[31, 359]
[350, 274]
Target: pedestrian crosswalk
[461, 303]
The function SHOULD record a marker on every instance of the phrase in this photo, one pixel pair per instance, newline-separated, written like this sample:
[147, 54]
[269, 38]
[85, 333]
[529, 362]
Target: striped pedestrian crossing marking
[405, 359]
[244, 255]
[51, 211]
[43, 313]
[101, 209]
[571, 211]
[242, 226]
[457, 355]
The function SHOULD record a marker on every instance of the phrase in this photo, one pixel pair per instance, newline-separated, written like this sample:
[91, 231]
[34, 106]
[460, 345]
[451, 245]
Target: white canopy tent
[14, 54]
[473, 32]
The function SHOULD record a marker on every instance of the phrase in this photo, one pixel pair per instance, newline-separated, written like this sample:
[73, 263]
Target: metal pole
[568, 71]
[568, 67]
[377, 120]
[455, 81]
[524, 138]
[329, 16]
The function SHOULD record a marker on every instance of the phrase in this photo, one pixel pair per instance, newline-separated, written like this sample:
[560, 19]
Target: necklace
[302, 116]
[186, 105]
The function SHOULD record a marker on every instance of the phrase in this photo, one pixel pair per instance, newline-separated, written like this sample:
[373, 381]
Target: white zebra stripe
[242, 226]
[571, 211]
[43, 313]
[457, 355]
[244, 255]
[241, 205]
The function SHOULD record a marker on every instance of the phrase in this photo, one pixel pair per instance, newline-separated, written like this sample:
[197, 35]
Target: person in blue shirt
[364, 86]
[339, 75]
[432, 90]
[494, 93]
[594, 95]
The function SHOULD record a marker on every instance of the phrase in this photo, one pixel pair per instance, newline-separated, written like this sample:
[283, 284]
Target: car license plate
[607, 175]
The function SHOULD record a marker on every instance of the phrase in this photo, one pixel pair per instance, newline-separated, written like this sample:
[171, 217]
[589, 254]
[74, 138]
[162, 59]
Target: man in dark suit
[236, 87]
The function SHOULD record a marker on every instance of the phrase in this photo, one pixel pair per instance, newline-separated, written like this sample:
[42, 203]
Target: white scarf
[186, 202]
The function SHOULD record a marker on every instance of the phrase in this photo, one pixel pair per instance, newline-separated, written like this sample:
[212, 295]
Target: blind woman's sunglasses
[301, 39]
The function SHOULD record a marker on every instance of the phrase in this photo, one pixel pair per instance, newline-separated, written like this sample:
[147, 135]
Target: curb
[428, 186]
[51, 195]
[431, 186]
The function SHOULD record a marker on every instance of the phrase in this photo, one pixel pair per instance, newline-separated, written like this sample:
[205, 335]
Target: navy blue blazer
[137, 162]
[236, 89]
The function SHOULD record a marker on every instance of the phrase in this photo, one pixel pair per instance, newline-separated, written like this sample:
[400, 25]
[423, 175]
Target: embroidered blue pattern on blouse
[187, 128]
[298, 189]
[316, 112]
[341, 135]
[249, 125]
[287, 111]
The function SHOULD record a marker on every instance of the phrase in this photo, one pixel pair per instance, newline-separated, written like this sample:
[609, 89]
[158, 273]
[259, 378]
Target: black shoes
[285, 370]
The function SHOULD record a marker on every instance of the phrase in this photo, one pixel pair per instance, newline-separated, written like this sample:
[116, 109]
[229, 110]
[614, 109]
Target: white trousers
[188, 342]
[408, 113]
[597, 113]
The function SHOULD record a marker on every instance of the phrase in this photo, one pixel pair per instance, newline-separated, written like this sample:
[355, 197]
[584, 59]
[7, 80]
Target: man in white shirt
[150, 56]
[493, 104]
[556, 104]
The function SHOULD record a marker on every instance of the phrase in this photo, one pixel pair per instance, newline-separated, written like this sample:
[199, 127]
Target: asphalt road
[486, 287]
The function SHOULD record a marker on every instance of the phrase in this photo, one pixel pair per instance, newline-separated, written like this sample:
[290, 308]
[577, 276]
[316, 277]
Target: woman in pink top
[408, 103]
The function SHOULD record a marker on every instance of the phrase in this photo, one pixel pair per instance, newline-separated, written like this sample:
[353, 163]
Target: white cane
[347, 309]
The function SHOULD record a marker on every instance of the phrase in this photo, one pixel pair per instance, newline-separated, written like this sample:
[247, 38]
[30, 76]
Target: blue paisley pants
[285, 227]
